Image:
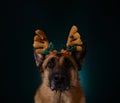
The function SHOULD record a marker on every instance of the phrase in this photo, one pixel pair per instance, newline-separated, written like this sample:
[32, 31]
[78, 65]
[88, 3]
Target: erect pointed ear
[80, 56]
[38, 59]
[80, 47]
[40, 44]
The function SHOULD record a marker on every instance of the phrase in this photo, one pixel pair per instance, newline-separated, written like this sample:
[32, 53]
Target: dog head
[59, 69]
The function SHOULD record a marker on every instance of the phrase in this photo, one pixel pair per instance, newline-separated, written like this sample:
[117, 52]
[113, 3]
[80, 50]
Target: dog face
[59, 69]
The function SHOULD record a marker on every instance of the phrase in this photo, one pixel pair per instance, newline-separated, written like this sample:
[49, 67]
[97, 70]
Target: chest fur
[45, 95]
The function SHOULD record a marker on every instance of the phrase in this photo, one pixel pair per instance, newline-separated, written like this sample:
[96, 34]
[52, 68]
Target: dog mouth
[59, 86]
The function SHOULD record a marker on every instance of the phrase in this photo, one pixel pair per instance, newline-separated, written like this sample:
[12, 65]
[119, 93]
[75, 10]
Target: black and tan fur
[67, 66]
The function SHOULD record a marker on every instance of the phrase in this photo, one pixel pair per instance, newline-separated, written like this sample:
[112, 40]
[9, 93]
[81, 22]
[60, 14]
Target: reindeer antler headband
[43, 46]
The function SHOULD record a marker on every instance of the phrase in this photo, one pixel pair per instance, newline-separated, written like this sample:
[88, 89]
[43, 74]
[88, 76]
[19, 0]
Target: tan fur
[45, 95]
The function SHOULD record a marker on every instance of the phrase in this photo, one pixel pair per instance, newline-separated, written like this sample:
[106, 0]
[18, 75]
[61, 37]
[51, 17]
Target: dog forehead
[59, 58]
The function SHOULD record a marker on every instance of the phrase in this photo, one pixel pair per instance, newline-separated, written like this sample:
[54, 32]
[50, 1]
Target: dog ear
[80, 47]
[38, 59]
[80, 56]
[40, 44]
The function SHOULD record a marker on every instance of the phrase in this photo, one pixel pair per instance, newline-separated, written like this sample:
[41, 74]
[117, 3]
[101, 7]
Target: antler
[41, 42]
[74, 39]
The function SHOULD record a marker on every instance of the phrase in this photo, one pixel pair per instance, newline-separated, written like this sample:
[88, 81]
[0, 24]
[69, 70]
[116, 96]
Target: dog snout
[60, 82]
[59, 78]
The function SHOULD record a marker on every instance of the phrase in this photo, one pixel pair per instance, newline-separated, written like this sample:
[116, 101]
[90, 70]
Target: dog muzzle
[60, 82]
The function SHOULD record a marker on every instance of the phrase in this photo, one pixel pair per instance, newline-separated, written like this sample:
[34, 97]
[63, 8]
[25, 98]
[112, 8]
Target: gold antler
[41, 42]
[74, 39]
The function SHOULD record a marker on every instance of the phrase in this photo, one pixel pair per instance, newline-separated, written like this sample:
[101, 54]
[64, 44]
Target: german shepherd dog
[59, 69]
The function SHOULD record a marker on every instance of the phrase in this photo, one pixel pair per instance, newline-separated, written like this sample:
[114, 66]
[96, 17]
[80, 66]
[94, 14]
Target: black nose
[59, 78]
[60, 82]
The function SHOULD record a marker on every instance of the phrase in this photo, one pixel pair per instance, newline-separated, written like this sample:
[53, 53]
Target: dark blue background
[99, 26]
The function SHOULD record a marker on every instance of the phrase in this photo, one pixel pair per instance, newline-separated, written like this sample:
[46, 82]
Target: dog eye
[51, 63]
